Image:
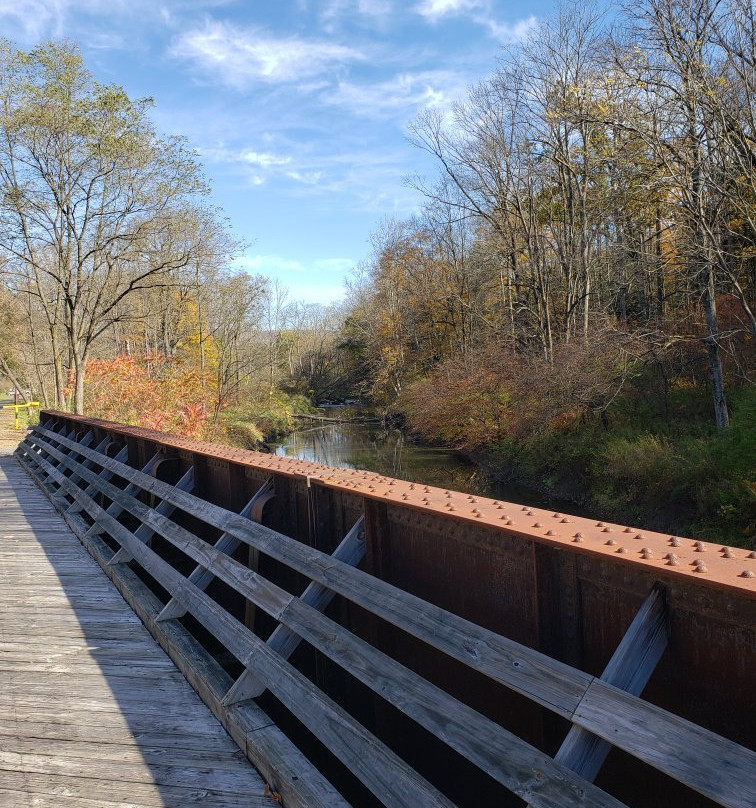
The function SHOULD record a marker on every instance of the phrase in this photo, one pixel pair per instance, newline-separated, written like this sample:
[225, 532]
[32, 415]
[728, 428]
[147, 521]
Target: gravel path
[9, 437]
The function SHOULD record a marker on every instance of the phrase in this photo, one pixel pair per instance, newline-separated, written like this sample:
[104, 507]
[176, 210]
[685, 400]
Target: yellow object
[18, 407]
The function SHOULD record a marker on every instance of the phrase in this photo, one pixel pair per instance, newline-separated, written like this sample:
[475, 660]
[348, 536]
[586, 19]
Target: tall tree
[93, 204]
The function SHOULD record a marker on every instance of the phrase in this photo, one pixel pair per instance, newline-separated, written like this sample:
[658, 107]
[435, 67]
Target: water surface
[387, 451]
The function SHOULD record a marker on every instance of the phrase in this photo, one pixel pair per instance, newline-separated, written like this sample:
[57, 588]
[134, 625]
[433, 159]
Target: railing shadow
[93, 714]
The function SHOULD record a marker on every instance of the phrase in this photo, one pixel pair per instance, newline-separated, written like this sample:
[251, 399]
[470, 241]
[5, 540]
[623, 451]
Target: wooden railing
[117, 510]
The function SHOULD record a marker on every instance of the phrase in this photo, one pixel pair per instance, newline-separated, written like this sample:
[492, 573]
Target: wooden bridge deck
[93, 714]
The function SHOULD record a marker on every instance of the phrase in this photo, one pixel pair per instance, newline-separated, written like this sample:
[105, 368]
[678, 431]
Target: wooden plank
[121, 457]
[283, 640]
[714, 766]
[41, 786]
[501, 754]
[114, 509]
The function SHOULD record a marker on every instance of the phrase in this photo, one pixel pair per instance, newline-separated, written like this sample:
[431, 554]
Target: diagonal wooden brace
[285, 641]
[200, 577]
[114, 509]
[144, 533]
[88, 464]
[106, 475]
[629, 669]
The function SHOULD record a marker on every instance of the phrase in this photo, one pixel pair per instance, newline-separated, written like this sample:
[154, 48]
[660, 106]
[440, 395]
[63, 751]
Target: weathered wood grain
[122, 728]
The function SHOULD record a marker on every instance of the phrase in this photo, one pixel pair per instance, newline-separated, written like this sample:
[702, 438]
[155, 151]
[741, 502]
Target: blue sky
[298, 109]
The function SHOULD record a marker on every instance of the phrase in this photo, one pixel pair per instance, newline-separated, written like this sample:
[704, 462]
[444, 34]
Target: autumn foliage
[495, 393]
[149, 391]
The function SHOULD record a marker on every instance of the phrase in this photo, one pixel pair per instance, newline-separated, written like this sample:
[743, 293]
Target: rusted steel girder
[671, 557]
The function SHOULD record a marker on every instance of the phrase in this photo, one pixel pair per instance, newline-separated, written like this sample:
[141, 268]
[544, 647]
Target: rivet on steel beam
[564, 521]
[700, 568]
[497, 503]
[726, 552]
[621, 550]
[747, 574]
[448, 495]
[557, 515]
[452, 508]
[405, 496]
[537, 524]
[699, 547]
[578, 537]
[610, 542]
[672, 559]
[499, 507]
[529, 513]
[550, 533]
[412, 486]
[628, 530]
[426, 489]
[646, 552]
[607, 530]
[600, 524]
[674, 541]
[752, 554]
[639, 536]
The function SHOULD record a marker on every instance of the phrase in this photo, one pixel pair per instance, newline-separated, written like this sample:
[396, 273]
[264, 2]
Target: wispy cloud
[33, 20]
[479, 12]
[507, 32]
[263, 159]
[241, 57]
[434, 10]
[402, 95]
[333, 9]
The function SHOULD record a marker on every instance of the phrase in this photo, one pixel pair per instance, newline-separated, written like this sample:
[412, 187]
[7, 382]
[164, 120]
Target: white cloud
[305, 177]
[270, 265]
[243, 56]
[366, 8]
[512, 32]
[479, 11]
[263, 159]
[436, 9]
[33, 20]
[404, 94]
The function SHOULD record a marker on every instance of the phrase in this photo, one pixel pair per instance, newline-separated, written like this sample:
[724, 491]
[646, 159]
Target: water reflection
[386, 451]
[389, 452]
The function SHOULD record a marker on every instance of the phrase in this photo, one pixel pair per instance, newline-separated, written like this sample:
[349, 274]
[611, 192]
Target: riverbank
[678, 477]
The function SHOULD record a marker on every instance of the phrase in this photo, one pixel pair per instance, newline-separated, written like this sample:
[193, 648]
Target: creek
[388, 451]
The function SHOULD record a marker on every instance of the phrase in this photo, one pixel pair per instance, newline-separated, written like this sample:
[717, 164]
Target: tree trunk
[80, 363]
[721, 415]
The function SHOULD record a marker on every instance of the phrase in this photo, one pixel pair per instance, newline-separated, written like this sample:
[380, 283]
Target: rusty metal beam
[668, 557]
